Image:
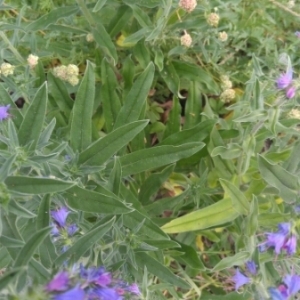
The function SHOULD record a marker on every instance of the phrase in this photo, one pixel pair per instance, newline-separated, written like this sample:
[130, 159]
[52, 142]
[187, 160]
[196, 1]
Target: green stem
[12, 48]
[86, 12]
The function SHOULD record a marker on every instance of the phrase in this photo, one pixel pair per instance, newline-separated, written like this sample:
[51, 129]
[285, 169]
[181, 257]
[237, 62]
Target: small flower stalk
[67, 73]
[188, 5]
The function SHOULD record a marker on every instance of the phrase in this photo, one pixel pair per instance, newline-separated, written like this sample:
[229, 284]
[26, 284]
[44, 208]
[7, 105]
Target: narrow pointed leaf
[136, 98]
[36, 185]
[81, 125]
[30, 247]
[31, 127]
[104, 148]
[239, 201]
[148, 159]
[214, 215]
[10, 276]
[89, 201]
[236, 260]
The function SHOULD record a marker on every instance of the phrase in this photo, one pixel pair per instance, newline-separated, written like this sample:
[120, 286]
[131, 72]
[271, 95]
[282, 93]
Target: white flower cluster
[67, 73]
[213, 19]
[186, 40]
[6, 69]
[228, 93]
[188, 5]
[32, 61]
[223, 36]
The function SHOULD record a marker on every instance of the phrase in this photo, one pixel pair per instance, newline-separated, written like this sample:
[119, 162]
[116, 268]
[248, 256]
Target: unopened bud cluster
[32, 61]
[67, 73]
[89, 37]
[227, 95]
[223, 36]
[186, 40]
[188, 5]
[226, 82]
[6, 69]
[213, 19]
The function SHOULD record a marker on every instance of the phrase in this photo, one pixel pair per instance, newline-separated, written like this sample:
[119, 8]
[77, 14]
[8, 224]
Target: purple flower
[285, 79]
[4, 112]
[75, 294]
[297, 34]
[293, 284]
[96, 275]
[251, 267]
[276, 240]
[104, 294]
[59, 282]
[297, 209]
[290, 92]
[291, 245]
[277, 295]
[60, 216]
[72, 229]
[284, 228]
[240, 279]
[134, 289]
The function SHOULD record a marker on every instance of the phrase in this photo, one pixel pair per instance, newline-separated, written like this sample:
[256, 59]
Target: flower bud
[223, 36]
[7, 69]
[227, 95]
[32, 61]
[89, 37]
[186, 40]
[188, 5]
[60, 72]
[213, 19]
[72, 70]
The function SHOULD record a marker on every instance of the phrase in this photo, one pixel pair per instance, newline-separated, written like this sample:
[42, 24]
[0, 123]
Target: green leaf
[239, 201]
[119, 20]
[149, 159]
[20, 210]
[31, 127]
[5, 169]
[36, 185]
[31, 245]
[89, 201]
[99, 5]
[104, 148]
[81, 125]
[153, 183]
[136, 98]
[10, 242]
[59, 92]
[115, 177]
[174, 120]
[10, 276]
[195, 134]
[83, 244]
[104, 41]
[159, 270]
[230, 261]
[278, 177]
[190, 257]
[52, 17]
[110, 100]
[214, 215]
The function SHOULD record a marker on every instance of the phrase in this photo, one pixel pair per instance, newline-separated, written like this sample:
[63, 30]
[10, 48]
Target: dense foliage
[149, 149]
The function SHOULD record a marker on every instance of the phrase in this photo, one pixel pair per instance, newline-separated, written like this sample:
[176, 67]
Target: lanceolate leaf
[136, 98]
[104, 148]
[81, 126]
[30, 247]
[149, 159]
[278, 177]
[32, 125]
[36, 185]
[214, 215]
[89, 201]
[10, 276]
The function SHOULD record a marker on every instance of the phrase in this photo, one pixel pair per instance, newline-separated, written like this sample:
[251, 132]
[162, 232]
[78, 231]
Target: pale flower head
[7, 69]
[227, 95]
[226, 82]
[188, 5]
[291, 4]
[32, 61]
[213, 19]
[186, 40]
[73, 80]
[72, 70]
[89, 37]
[223, 36]
[60, 72]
